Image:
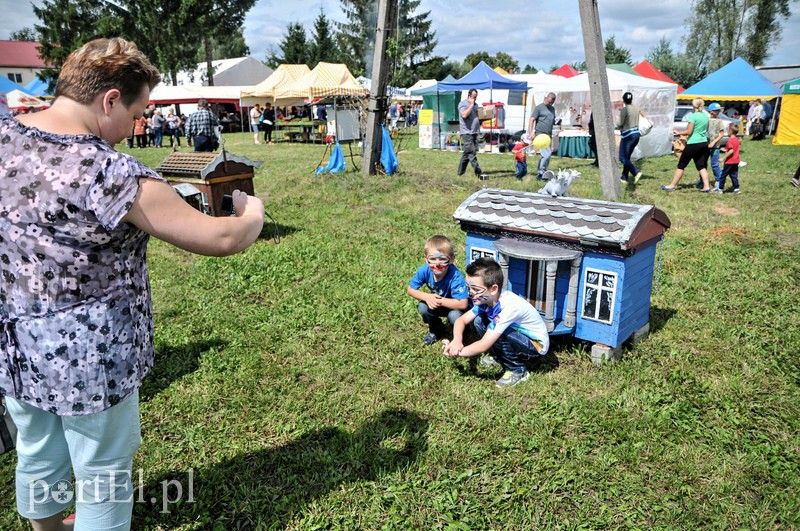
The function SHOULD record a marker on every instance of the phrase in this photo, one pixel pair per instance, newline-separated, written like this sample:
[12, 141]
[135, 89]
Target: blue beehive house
[586, 265]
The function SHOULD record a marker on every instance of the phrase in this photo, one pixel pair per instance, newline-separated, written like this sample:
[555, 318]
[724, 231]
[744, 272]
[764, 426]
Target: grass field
[291, 388]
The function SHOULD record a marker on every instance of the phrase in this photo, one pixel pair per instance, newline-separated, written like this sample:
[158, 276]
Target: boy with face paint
[447, 295]
[511, 330]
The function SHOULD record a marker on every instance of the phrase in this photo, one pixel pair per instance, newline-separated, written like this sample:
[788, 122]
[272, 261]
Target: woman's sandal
[667, 188]
[706, 191]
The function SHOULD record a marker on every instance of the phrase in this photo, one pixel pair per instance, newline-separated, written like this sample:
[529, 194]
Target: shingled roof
[199, 165]
[585, 221]
[20, 54]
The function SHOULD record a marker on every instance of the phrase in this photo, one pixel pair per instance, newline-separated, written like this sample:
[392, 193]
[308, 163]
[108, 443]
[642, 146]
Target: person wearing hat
[201, 128]
[715, 132]
[520, 151]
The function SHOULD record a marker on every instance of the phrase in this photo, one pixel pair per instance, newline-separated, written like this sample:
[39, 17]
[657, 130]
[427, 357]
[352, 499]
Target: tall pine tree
[357, 35]
[323, 45]
[409, 48]
[293, 48]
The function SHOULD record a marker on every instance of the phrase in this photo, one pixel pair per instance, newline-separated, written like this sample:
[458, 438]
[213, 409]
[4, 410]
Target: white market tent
[655, 98]
[170, 95]
[264, 91]
[18, 100]
[517, 112]
[238, 71]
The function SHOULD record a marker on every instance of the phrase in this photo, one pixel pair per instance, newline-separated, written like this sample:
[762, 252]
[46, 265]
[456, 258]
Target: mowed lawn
[292, 391]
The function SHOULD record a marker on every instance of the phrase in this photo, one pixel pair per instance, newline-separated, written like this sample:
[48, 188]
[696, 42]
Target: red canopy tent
[565, 71]
[647, 70]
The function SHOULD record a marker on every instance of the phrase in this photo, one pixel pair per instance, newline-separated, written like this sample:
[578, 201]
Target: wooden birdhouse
[211, 174]
[586, 265]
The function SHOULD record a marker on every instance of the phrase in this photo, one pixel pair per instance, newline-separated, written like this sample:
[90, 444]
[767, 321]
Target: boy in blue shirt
[511, 330]
[447, 296]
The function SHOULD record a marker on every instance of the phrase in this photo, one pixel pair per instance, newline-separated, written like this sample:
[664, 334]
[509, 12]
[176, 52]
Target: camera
[227, 205]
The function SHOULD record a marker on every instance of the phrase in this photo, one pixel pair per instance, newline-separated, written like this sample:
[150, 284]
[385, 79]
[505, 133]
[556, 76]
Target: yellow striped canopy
[325, 80]
[282, 75]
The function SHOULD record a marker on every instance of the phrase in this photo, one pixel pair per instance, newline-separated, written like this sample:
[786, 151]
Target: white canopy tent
[655, 98]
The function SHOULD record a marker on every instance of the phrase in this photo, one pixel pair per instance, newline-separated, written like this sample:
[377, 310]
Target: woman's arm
[161, 212]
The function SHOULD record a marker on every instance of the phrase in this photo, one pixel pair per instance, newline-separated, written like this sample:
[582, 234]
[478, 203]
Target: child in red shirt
[731, 161]
[520, 151]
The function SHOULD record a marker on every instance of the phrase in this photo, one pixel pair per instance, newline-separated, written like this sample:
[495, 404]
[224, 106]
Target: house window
[477, 252]
[599, 294]
[16, 78]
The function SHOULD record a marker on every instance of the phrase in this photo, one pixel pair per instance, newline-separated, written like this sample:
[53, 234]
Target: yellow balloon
[541, 141]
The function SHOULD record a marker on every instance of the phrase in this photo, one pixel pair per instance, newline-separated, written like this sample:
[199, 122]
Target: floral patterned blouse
[76, 332]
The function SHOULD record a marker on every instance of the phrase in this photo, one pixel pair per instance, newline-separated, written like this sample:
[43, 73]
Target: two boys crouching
[511, 330]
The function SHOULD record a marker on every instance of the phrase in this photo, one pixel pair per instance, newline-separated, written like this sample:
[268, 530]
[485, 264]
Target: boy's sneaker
[637, 177]
[489, 362]
[510, 379]
[737, 191]
[716, 191]
[429, 339]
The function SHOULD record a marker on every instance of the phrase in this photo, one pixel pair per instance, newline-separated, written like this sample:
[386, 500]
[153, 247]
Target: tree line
[178, 34]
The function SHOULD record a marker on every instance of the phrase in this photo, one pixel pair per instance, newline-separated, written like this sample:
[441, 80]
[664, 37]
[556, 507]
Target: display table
[298, 130]
[574, 143]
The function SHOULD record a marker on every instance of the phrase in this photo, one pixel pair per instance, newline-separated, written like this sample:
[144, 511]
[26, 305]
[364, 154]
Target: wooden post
[601, 99]
[376, 108]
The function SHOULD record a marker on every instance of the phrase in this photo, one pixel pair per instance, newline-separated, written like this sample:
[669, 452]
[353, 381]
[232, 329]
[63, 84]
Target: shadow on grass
[173, 362]
[275, 231]
[659, 317]
[267, 488]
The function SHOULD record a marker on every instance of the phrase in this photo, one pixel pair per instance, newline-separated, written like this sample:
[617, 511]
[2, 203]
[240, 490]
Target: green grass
[291, 383]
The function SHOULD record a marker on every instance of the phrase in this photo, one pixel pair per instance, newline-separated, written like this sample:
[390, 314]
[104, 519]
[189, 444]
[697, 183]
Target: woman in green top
[696, 147]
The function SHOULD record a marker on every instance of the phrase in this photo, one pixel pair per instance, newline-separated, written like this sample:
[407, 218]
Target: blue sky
[536, 33]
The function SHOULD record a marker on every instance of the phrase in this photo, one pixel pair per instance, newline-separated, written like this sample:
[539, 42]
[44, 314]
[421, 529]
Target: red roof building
[20, 61]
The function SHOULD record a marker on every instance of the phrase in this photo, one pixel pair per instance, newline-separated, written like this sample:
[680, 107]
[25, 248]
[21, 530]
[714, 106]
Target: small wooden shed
[212, 174]
[587, 265]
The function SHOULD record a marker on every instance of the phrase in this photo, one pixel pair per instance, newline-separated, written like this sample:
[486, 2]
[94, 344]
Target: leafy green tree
[472, 60]
[506, 62]
[323, 41]
[25, 34]
[501, 59]
[676, 65]
[68, 24]
[293, 48]
[415, 42]
[227, 48]
[615, 54]
[741, 28]
[529, 69]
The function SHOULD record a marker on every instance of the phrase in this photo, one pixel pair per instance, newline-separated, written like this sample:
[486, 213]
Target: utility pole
[601, 99]
[376, 108]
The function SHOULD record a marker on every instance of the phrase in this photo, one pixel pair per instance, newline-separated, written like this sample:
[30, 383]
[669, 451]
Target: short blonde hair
[105, 64]
[439, 243]
[698, 103]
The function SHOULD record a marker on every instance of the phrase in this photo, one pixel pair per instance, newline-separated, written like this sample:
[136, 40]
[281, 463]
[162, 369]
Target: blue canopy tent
[736, 81]
[6, 85]
[445, 106]
[483, 77]
[37, 87]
